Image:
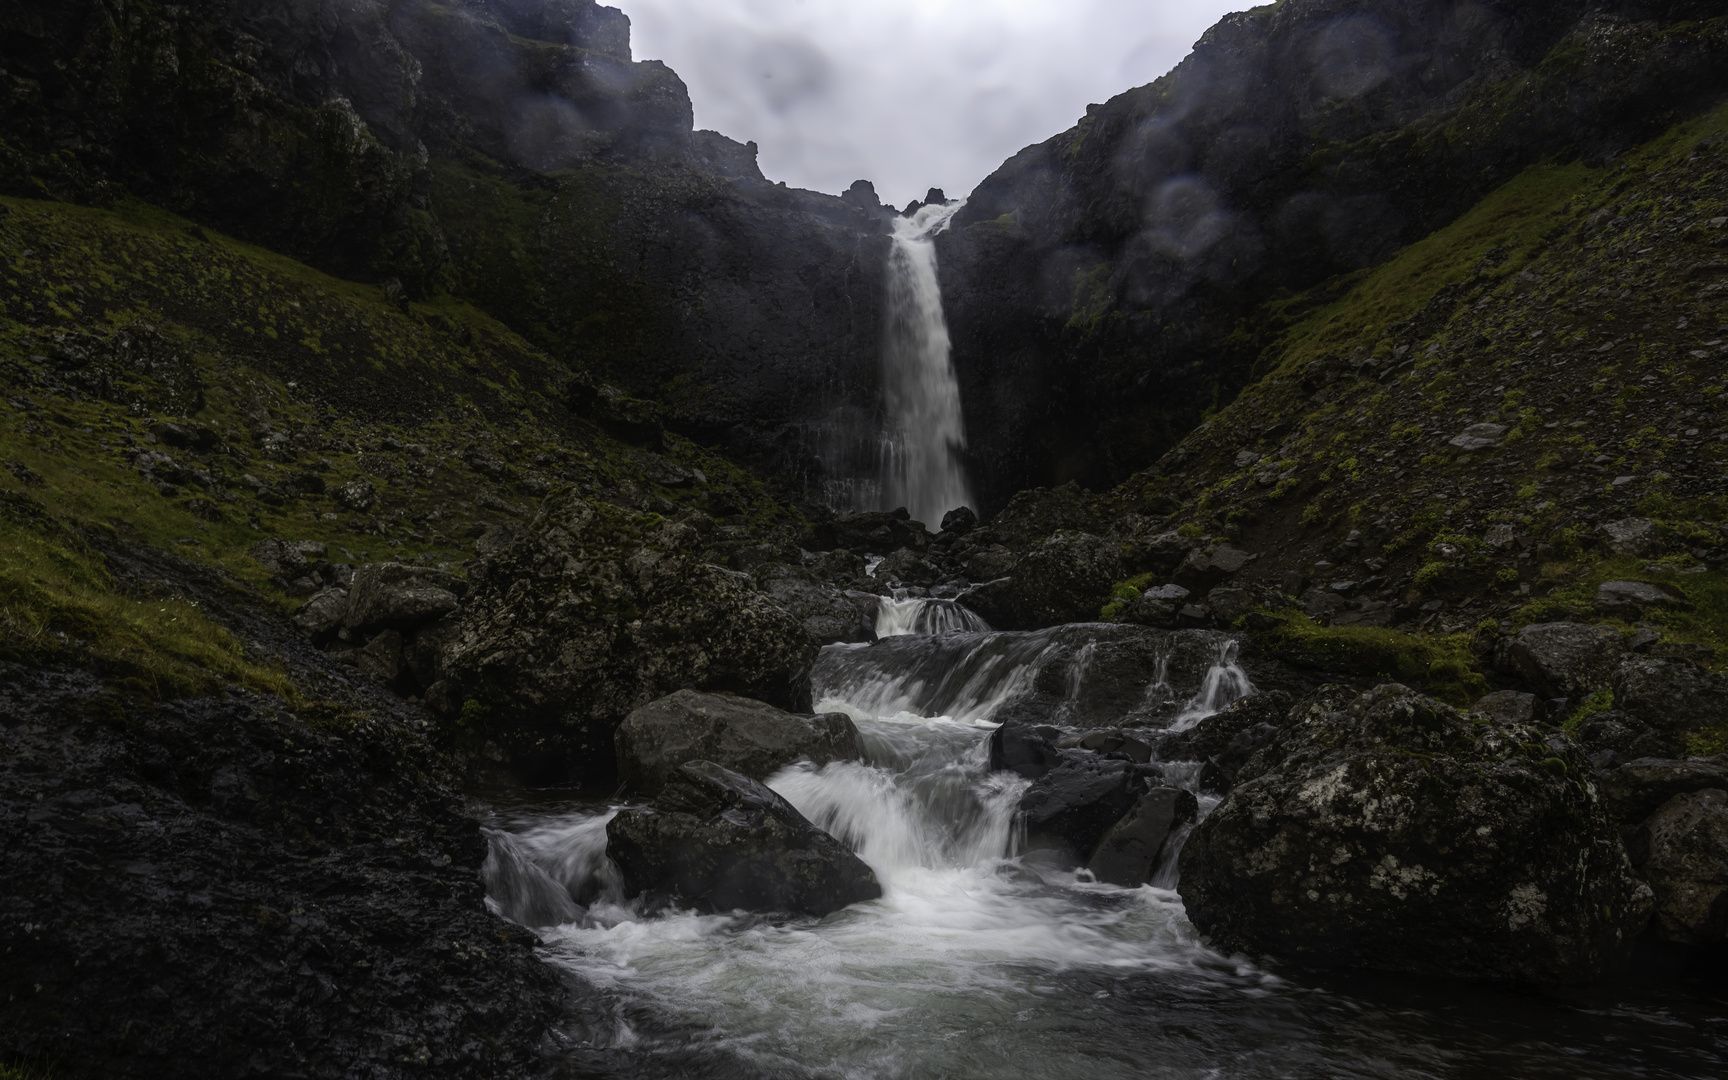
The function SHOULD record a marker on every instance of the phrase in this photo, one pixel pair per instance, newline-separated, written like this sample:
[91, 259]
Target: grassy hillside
[1581, 311]
[166, 385]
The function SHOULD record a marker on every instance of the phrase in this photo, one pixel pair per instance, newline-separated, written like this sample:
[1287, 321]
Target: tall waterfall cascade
[924, 435]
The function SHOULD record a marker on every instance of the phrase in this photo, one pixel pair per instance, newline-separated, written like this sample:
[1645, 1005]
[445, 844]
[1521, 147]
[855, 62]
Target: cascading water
[925, 433]
[979, 961]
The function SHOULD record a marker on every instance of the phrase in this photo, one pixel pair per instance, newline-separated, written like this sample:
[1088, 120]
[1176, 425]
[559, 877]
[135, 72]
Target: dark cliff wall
[509, 151]
[1109, 285]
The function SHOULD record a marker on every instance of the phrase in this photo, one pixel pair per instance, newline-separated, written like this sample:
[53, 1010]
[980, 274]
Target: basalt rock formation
[1105, 286]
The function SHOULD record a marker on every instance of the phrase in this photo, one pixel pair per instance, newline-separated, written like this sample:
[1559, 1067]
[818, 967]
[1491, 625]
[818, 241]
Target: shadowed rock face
[1095, 281]
[736, 733]
[723, 842]
[1387, 831]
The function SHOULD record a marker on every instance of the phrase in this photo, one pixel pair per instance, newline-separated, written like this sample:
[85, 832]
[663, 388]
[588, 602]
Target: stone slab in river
[746, 736]
[1131, 850]
[719, 841]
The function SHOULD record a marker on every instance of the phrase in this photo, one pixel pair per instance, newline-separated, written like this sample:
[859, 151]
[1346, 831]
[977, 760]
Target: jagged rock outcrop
[720, 841]
[585, 616]
[745, 736]
[1387, 831]
[1095, 282]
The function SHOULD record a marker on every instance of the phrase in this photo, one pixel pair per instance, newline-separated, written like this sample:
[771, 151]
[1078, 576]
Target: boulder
[873, 533]
[1511, 707]
[1634, 790]
[827, 614]
[1035, 513]
[1631, 598]
[720, 841]
[1205, 567]
[959, 521]
[1159, 606]
[1674, 695]
[322, 615]
[1065, 579]
[1682, 851]
[1134, 846]
[1227, 739]
[1156, 553]
[747, 737]
[1386, 831]
[1229, 604]
[381, 659]
[907, 567]
[591, 611]
[1070, 808]
[400, 597]
[1569, 660]
[1479, 437]
[1631, 536]
[424, 653]
[1612, 738]
[1025, 749]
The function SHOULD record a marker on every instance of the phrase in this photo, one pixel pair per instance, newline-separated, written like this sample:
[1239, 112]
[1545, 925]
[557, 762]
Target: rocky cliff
[509, 151]
[1109, 286]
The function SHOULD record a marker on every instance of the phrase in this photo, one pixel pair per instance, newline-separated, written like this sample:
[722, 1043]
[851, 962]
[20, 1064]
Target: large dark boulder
[828, 614]
[873, 532]
[1682, 851]
[1564, 660]
[1132, 849]
[1673, 695]
[1064, 579]
[735, 733]
[396, 596]
[1036, 513]
[1226, 740]
[1388, 831]
[1636, 789]
[1613, 738]
[592, 611]
[1070, 808]
[1026, 749]
[720, 841]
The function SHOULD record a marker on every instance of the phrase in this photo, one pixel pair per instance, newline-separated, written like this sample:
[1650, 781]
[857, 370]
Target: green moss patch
[1441, 665]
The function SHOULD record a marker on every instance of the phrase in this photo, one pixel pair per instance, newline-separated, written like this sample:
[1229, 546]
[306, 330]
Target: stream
[984, 961]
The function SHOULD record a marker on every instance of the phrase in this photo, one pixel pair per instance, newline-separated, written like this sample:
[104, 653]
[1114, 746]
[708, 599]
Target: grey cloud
[908, 94]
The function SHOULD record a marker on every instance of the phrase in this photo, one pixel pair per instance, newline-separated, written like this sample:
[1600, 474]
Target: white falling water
[896, 617]
[926, 434]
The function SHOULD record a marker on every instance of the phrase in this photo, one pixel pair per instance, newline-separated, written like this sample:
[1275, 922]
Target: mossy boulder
[1390, 832]
[592, 611]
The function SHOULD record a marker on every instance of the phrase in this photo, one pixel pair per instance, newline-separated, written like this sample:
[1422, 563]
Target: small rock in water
[745, 736]
[1069, 809]
[1132, 848]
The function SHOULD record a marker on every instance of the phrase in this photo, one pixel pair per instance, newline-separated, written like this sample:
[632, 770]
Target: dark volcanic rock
[1034, 514]
[873, 533]
[1674, 695]
[1065, 579]
[582, 618]
[1682, 851]
[735, 733]
[1569, 660]
[827, 614]
[196, 887]
[723, 842]
[1098, 284]
[400, 597]
[1132, 849]
[1070, 808]
[1025, 749]
[1226, 740]
[1634, 790]
[1387, 831]
[1613, 738]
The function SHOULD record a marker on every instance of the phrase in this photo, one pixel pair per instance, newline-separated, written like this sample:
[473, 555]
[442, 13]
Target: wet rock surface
[1133, 848]
[585, 616]
[1226, 740]
[1387, 831]
[1069, 809]
[744, 736]
[263, 890]
[720, 841]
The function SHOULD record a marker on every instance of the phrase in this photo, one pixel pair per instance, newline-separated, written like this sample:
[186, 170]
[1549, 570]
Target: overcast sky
[909, 94]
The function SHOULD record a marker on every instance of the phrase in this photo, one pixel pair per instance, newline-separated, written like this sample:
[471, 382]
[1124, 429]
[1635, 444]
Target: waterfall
[925, 433]
[895, 617]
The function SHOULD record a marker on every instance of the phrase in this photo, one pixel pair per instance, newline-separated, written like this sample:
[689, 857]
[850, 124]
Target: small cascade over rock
[917, 615]
[925, 432]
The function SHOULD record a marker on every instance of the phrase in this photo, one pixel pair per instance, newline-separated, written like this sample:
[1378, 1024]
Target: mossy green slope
[174, 387]
[1584, 312]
